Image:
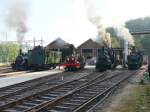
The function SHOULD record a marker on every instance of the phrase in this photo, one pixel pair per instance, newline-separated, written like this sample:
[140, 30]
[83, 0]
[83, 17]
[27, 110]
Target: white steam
[16, 18]
[94, 18]
[124, 34]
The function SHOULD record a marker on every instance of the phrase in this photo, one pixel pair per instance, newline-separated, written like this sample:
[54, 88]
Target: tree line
[8, 51]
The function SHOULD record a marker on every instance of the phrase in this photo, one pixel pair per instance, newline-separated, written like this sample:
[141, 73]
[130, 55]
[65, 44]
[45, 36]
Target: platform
[10, 80]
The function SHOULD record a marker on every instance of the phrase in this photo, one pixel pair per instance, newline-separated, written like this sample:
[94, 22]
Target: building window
[87, 50]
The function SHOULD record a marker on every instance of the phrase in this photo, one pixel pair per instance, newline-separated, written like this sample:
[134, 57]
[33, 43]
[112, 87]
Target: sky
[50, 19]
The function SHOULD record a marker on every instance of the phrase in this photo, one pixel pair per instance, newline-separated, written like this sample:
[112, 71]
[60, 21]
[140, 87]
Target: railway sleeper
[62, 91]
[50, 96]
[10, 90]
[45, 97]
[21, 107]
[61, 109]
[53, 94]
[93, 89]
[90, 92]
[11, 110]
[86, 95]
[67, 88]
[69, 104]
[65, 107]
[68, 108]
[35, 102]
[29, 104]
[54, 110]
[79, 101]
[4, 92]
[16, 109]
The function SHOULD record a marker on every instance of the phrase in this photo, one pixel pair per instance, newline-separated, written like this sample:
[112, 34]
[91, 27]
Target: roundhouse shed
[62, 46]
[89, 49]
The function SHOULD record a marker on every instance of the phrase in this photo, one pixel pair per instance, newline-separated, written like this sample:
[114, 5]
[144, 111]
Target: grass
[135, 98]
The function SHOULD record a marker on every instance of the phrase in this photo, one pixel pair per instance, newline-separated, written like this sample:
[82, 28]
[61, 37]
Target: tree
[115, 43]
[111, 30]
[145, 44]
[8, 51]
[138, 25]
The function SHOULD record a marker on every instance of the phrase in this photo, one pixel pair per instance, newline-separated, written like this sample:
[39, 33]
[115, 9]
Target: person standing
[149, 69]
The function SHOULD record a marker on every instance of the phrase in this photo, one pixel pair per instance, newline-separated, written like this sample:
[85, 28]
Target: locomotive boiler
[106, 59]
[134, 59]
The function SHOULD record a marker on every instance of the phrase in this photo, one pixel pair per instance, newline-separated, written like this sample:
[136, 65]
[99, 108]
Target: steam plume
[16, 18]
[123, 33]
[94, 18]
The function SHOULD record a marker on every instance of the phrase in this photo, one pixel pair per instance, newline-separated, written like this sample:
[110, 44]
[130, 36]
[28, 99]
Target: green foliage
[146, 44]
[114, 39]
[139, 24]
[142, 42]
[111, 30]
[8, 51]
[115, 43]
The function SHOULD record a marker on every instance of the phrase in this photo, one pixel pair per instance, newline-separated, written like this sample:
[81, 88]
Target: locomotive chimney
[20, 51]
[125, 51]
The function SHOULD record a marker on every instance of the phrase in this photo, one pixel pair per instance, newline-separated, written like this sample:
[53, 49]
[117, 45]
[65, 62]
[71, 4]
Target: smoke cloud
[94, 18]
[123, 33]
[16, 18]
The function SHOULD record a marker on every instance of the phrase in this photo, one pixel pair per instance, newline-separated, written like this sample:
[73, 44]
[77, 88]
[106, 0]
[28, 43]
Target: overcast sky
[67, 19]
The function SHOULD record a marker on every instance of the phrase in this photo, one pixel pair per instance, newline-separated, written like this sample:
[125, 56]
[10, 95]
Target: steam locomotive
[106, 59]
[73, 63]
[37, 59]
[134, 59]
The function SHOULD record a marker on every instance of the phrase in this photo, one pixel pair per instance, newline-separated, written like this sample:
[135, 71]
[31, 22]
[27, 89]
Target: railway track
[82, 99]
[40, 98]
[23, 85]
[31, 86]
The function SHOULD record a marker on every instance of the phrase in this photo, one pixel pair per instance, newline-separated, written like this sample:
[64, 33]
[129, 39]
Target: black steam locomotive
[106, 59]
[21, 62]
[134, 59]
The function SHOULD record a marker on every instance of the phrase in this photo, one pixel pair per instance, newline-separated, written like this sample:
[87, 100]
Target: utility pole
[41, 41]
